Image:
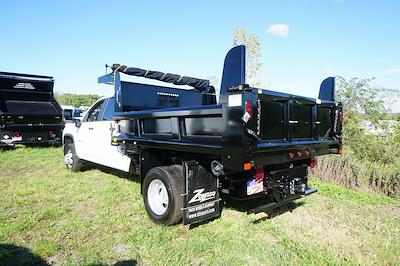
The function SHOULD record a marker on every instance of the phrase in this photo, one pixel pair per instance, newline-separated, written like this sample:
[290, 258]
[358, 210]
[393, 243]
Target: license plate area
[289, 182]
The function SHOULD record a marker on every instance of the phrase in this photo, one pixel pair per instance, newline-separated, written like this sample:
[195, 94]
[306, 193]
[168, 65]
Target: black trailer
[29, 113]
[253, 148]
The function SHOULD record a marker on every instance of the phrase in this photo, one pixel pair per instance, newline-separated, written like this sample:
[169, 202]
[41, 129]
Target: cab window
[109, 110]
[95, 112]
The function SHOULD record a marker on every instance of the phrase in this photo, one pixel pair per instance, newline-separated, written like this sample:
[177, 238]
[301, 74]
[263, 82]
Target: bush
[371, 161]
[350, 173]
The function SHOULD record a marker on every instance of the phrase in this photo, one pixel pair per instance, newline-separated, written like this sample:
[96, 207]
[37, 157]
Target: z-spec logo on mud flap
[200, 196]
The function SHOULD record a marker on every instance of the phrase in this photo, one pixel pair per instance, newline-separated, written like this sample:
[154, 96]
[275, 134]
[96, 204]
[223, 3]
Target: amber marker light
[247, 166]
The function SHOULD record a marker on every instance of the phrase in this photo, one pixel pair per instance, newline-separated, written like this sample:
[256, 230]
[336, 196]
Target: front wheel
[71, 159]
[162, 189]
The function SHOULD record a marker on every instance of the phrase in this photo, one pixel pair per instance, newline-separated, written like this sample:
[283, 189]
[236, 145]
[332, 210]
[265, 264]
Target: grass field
[95, 217]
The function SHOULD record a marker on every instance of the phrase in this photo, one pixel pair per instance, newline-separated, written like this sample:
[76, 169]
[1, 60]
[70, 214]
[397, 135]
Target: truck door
[109, 155]
[86, 145]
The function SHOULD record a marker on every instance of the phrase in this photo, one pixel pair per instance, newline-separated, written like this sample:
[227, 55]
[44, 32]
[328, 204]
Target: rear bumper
[10, 138]
[269, 154]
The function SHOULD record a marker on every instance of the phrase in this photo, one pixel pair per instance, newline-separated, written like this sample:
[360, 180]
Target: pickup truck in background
[193, 154]
[29, 113]
[72, 112]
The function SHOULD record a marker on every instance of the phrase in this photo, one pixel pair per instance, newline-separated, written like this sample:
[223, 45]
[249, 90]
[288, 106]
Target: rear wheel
[162, 189]
[71, 159]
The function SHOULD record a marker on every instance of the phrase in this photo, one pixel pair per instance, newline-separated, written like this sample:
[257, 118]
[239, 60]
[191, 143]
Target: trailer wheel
[72, 161]
[162, 188]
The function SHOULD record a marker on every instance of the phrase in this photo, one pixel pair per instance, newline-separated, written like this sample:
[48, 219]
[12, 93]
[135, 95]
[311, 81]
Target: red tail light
[307, 152]
[17, 134]
[51, 134]
[299, 153]
[291, 154]
[259, 174]
[313, 163]
[248, 108]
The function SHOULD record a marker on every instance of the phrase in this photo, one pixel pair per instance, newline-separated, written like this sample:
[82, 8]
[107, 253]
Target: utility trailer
[29, 113]
[253, 148]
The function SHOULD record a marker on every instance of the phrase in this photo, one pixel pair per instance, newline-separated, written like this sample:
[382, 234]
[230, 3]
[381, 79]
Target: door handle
[90, 128]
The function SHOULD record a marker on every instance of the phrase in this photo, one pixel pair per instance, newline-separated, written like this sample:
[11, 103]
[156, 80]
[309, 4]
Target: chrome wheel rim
[68, 159]
[157, 196]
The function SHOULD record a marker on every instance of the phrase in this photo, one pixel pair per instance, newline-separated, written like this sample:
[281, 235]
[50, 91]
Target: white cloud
[392, 71]
[281, 30]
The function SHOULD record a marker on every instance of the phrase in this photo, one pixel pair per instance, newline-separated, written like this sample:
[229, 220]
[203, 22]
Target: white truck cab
[90, 139]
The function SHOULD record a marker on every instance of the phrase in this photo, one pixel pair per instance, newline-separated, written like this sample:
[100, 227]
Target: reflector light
[313, 163]
[247, 166]
[299, 153]
[291, 154]
[248, 108]
[340, 151]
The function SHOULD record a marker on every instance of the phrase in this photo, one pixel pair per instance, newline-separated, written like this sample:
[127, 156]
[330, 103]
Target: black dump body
[250, 131]
[29, 113]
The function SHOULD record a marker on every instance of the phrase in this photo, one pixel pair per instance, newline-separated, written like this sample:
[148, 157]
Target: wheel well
[149, 159]
[68, 140]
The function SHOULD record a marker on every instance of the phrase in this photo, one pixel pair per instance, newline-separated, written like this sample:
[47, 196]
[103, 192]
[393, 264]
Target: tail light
[291, 154]
[313, 163]
[248, 108]
[306, 152]
[259, 174]
[51, 134]
[299, 153]
[17, 136]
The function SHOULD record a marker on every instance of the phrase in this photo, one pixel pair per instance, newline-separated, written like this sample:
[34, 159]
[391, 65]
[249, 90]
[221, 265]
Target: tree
[76, 99]
[253, 54]
[363, 104]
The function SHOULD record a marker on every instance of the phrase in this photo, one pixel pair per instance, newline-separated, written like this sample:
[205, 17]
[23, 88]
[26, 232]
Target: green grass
[94, 217]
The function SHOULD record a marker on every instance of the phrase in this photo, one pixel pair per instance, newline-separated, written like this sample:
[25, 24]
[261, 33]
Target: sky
[302, 41]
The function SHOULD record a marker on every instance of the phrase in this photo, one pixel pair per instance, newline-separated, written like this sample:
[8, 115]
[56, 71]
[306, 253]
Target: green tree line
[76, 99]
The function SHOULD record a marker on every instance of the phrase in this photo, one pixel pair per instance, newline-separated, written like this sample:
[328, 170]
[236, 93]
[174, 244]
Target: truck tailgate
[283, 119]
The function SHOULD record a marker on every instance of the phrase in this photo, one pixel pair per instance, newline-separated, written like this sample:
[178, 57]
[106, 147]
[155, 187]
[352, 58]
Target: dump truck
[251, 148]
[29, 113]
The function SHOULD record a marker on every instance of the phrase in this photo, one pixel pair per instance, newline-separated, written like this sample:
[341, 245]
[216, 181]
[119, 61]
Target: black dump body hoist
[253, 147]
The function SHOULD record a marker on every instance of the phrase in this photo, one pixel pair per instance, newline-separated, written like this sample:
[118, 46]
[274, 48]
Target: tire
[72, 161]
[162, 189]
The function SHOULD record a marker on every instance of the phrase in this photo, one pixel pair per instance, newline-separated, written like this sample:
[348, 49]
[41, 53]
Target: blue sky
[72, 40]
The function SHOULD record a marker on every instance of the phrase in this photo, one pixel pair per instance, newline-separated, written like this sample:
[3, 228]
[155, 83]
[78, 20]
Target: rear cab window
[108, 110]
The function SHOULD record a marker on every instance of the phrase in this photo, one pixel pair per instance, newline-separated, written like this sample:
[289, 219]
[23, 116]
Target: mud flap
[200, 195]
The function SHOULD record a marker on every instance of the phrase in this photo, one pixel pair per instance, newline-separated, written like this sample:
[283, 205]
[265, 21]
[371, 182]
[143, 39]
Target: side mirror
[78, 122]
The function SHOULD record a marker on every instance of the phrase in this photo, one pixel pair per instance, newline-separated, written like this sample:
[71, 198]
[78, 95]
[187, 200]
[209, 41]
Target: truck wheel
[72, 161]
[162, 189]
